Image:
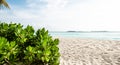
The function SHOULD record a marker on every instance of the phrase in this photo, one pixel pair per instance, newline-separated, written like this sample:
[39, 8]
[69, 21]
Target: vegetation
[24, 46]
[4, 3]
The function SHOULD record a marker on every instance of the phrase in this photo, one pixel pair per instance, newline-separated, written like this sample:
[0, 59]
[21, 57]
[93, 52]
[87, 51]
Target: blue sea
[93, 35]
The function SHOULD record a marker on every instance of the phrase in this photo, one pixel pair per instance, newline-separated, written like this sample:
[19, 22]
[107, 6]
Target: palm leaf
[4, 3]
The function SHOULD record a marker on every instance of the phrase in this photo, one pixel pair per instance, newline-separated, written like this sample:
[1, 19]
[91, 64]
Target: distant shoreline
[92, 31]
[84, 31]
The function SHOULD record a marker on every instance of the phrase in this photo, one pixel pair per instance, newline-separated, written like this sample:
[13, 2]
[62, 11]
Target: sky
[65, 15]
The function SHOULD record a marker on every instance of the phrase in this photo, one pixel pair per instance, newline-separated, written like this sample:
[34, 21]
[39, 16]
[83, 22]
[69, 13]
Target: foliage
[4, 3]
[24, 46]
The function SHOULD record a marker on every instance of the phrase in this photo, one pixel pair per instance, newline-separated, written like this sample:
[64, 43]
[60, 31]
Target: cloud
[70, 14]
[56, 3]
[37, 4]
[89, 15]
[24, 14]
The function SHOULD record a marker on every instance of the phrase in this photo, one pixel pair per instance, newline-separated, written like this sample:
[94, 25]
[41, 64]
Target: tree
[4, 3]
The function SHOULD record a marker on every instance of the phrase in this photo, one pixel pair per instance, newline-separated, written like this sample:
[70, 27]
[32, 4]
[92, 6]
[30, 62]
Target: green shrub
[24, 46]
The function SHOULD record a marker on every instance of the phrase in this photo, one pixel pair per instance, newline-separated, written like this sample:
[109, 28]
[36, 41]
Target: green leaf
[56, 41]
[44, 44]
[30, 58]
[43, 59]
[27, 46]
[47, 59]
[47, 52]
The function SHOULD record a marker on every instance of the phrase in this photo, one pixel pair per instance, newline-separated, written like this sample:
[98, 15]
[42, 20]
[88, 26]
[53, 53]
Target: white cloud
[35, 4]
[56, 3]
[71, 14]
[24, 14]
[92, 15]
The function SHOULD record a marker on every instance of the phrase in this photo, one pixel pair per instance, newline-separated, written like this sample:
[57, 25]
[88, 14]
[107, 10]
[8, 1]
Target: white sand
[76, 51]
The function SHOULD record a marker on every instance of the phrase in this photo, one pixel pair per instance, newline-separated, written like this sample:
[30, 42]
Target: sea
[83, 34]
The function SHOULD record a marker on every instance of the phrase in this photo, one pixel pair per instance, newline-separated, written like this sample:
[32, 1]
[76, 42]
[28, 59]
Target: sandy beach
[77, 51]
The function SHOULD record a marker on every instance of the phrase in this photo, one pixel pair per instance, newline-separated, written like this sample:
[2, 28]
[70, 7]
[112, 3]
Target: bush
[24, 46]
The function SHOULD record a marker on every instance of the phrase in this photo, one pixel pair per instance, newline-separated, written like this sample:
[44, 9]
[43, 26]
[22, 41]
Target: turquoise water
[94, 35]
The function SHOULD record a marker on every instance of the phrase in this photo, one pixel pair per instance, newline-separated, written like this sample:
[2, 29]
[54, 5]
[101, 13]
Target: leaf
[29, 48]
[47, 52]
[44, 44]
[43, 59]
[39, 52]
[3, 2]
[56, 41]
[30, 58]
[47, 59]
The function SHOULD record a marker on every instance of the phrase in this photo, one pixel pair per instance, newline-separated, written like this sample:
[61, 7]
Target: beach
[78, 51]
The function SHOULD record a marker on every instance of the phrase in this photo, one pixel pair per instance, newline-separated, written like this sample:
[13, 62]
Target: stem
[7, 61]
